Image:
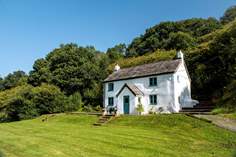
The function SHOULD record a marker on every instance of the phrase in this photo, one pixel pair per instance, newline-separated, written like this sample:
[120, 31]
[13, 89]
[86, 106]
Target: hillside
[211, 63]
[74, 135]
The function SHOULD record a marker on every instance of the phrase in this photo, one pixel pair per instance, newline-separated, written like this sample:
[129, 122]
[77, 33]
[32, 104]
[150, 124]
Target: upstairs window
[110, 86]
[153, 81]
[110, 101]
[153, 99]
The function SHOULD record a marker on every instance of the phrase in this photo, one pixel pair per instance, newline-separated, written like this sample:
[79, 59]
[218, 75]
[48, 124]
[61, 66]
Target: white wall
[164, 91]
[182, 87]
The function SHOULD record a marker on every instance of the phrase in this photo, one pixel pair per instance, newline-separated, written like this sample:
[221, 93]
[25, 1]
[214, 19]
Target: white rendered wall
[182, 87]
[164, 91]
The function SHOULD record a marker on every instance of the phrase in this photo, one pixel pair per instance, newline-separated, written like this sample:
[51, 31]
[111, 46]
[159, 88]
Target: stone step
[102, 120]
[97, 124]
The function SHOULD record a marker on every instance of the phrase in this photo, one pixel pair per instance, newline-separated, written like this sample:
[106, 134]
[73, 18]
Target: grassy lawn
[139, 136]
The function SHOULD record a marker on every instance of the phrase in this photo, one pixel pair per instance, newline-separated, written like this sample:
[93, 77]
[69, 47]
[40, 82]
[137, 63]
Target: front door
[126, 104]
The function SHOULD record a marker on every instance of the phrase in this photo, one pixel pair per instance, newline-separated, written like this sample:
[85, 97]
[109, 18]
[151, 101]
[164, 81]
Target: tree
[75, 102]
[179, 40]
[73, 69]
[47, 99]
[40, 73]
[157, 37]
[229, 15]
[116, 52]
[13, 79]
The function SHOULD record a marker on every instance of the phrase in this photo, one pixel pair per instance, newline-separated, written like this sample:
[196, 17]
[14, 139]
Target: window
[110, 101]
[153, 99]
[153, 81]
[110, 86]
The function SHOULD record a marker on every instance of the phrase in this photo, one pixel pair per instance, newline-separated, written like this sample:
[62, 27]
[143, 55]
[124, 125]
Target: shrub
[20, 108]
[75, 102]
[48, 99]
[140, 108]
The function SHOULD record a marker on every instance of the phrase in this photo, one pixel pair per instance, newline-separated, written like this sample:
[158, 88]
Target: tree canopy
[229, 15]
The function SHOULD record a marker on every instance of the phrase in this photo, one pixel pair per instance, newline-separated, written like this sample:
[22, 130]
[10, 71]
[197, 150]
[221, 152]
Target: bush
[19, 108]
[28, 102]
[227, 102]
[75, 102]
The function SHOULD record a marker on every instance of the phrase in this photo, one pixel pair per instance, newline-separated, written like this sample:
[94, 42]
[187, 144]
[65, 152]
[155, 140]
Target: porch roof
[134, 89]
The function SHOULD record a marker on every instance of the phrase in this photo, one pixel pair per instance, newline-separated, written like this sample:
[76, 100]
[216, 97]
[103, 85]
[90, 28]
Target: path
[220, 121]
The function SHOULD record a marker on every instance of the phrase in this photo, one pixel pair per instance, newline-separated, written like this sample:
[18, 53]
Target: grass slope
[140, 136]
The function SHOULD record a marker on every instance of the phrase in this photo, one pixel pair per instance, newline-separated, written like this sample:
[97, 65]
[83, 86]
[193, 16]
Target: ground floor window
[153, 99]
[110, 101]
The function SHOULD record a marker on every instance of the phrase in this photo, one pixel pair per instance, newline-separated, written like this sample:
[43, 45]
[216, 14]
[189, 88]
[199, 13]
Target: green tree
[229, 15]
[75, 102]
[116, 52]
[180, 40]
[157, 37]
[73, 69]
[40, 73]
[13, 79]
[47, 99]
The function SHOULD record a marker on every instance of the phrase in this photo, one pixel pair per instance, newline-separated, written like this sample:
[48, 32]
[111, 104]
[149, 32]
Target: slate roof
[134, 89]
[156, 68]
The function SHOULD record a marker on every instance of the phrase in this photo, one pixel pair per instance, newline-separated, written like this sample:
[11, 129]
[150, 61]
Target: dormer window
[110, 86]
[153, 81]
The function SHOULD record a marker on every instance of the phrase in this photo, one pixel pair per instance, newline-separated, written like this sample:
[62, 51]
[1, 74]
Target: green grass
[139, 136]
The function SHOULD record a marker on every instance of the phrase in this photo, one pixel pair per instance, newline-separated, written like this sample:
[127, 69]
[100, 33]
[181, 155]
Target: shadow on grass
[234, 154]
[1, 154]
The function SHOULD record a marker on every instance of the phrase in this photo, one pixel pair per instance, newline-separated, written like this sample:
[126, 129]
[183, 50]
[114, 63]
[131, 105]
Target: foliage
[25, 102]
[47, 99]
[140, 108]
[180, 41]
[73, 69]
[20, 108]
[17, 78]
[214, 67]
[75, 102]
[116, 52]
[159, 36]
[229, 15]
[228, 100]
[40, 73]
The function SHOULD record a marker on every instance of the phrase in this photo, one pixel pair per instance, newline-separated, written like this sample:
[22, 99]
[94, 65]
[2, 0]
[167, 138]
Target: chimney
[117, 68]
[180, 55]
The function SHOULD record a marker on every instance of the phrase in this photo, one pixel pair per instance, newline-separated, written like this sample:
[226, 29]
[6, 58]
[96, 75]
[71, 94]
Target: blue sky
[29, 29]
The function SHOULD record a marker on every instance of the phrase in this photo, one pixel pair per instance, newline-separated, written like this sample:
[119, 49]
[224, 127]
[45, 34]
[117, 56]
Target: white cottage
[163, 86]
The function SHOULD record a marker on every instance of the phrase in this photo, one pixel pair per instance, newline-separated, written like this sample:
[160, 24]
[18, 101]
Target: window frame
[153, 81]
[109, 89]
[109, 102]
[153, 99]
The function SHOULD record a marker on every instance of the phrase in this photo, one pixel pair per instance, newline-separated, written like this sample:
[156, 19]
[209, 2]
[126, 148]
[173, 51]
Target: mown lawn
[131, 136]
